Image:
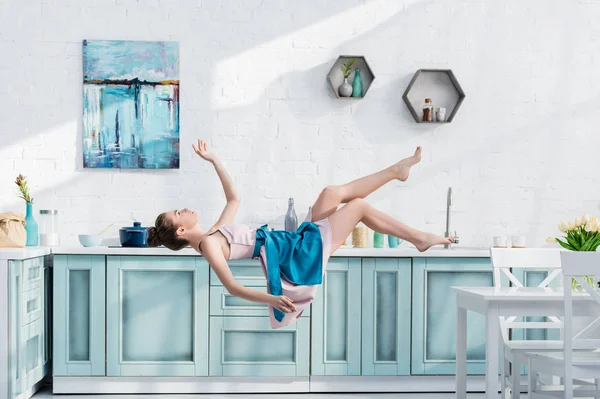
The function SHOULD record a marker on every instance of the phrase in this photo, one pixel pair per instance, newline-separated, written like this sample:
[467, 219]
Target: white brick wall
[521, 155]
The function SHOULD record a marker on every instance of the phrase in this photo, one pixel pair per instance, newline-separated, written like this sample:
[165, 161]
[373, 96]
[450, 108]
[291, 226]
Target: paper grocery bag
[12, 230]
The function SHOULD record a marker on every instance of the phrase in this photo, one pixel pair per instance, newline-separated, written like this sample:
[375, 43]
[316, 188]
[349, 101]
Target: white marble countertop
[23, 253]
[401, 252]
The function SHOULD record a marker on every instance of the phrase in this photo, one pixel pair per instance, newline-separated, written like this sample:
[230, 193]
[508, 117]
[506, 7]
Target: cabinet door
[222, 303]
[32, 273]
[386, 316]
[26, 325]
[336, 320]
[33, 305]
[248, 347]
[247, 272]
[32, 354]
[47, 309]
[78, 315]
[434, 314]
[157, 316]
[15, 301]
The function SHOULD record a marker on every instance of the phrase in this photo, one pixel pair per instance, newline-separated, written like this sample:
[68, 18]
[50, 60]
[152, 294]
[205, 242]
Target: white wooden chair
[574, 367]
[504, 261]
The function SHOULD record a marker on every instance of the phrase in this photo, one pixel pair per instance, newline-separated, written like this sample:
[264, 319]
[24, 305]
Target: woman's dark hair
[165, 233]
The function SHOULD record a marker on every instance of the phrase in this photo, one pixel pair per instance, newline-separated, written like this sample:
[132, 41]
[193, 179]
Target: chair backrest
[506, 260]
[577, 265]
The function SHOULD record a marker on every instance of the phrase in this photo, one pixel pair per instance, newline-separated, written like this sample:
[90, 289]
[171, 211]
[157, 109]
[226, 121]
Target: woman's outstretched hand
[283, 303]
[203, 151]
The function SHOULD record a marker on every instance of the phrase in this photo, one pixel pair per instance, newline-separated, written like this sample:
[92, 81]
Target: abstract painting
[130, 104]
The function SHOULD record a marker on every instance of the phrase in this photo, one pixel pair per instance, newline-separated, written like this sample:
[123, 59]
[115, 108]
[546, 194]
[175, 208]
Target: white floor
[46, 393]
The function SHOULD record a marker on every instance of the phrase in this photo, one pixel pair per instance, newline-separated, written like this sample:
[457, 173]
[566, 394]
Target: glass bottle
[357, 86]
[48, 228]
[428, 111]
[31, 226]
[378, 239]
[291, 220]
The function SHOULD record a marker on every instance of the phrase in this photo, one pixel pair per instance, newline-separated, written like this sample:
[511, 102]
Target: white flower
[550, 240]
[570, 226]
[577, 222]
[588, 227]
[563, 227]
[585, 218]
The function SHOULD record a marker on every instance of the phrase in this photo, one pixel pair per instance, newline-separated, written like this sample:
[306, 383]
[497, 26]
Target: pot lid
[137, 226]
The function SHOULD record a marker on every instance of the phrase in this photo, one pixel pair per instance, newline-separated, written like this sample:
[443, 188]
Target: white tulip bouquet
[583, 234]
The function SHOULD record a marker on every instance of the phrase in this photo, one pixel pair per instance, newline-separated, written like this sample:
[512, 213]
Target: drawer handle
[34, 273]
[32, 305]
[233, 302]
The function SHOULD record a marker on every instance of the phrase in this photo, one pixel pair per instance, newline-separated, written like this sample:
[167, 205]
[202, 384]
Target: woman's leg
[343, 222]
[332, 196]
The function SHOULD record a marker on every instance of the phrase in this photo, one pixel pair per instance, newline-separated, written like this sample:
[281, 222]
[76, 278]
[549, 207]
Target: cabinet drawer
[33, 273]
[247, 346]
[222, 303]
[32, 353]
[247, 272]
[32, 306]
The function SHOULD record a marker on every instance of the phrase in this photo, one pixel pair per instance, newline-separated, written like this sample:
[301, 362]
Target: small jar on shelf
[440, 114]
[428, 111]
[360, 238]
[378, 239]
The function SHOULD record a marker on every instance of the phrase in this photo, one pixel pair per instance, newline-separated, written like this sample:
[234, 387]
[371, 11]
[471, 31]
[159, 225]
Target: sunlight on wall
[37, 158]
[258, 67]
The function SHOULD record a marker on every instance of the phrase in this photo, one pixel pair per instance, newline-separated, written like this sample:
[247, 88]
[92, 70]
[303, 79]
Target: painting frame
[131, 104]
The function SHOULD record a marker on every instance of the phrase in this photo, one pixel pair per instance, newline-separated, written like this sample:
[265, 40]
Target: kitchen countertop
[23, 253]
[401, 252]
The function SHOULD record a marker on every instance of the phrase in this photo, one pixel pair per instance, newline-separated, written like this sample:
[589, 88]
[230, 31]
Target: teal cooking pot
[136, 236]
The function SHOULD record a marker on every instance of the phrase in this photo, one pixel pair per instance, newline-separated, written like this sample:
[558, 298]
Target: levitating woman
[293, 262]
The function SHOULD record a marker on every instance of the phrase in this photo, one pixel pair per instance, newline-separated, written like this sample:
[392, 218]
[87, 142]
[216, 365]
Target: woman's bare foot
[429, 240]
[402, 168]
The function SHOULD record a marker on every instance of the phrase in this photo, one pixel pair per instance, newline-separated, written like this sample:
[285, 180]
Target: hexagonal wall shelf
[438, 84]
[336, 77]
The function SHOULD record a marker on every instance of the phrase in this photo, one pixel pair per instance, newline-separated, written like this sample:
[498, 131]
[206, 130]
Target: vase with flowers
[582, 234]
[31, 226]
[345, 89]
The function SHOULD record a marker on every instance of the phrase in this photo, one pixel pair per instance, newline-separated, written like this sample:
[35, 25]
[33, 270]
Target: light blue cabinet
[336, 320]
[27, 335]
[246, 272]
[248, 347]
[157, 313]
[78, 315]
[15, 300]
[434, 314]
[242, 342]
[386, 298]
[47, 309]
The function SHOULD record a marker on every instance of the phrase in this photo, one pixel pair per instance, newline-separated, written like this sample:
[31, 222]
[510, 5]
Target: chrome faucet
[447, 233]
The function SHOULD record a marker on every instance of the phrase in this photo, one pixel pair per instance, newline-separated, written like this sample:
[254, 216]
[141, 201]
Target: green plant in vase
[345, 89]
[582, 234]
[31, 226]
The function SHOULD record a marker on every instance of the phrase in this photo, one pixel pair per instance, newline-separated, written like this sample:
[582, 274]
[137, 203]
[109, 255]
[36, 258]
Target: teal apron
[296, 256]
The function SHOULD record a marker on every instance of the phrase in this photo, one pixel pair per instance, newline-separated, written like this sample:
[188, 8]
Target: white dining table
[510, 301]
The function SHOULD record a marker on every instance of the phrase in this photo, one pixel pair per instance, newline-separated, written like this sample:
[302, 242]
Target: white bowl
[90, 240]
